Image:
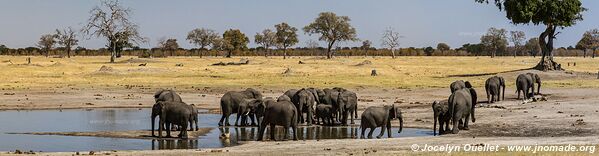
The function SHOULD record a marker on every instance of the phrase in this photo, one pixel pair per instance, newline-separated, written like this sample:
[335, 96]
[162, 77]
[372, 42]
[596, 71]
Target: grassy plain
[403, 72]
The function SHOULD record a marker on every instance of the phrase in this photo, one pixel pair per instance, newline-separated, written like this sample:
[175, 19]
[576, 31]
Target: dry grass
[403, 72]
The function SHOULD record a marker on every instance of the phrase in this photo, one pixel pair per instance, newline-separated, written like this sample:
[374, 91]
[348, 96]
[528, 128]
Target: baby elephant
[374, 117]
[441, 114]
[324, 112]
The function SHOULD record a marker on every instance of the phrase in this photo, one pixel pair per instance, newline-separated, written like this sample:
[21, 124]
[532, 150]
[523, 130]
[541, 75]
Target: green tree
[266, 39]
[332, 29]
[202, 38]
[3, 49]
[443, 47]
[67, 38]
[169, 45]
[365, 46]
[286, 37]
[495, 40]
[517, 37]
[533, 46]
[234, 40]
[46, 43]
[429, 51]
[589, 40]
[551, 13]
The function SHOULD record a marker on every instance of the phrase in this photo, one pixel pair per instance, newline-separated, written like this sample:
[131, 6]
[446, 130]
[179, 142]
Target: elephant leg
[466, 122]
[456, 121]
[518, 93]
[363, 130]
[285, 133]
[370, 133]
[294, 128]
[196, 123]
[183, 132]
[261, 130]
[352, 117]
[236, 121]
[389, 130]
[383, 128]
[272, 132]
[168, 130]
[488, 97]
[253, 120]
[309, 117]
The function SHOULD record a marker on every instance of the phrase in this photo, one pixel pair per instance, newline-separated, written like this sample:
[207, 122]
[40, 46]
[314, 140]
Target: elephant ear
[467, 84]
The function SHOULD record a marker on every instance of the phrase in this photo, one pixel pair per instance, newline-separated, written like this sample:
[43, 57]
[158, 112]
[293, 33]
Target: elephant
[284, 98]
[282, 113]
[163, 95]
[374, 117]
[441, 114]
[172, 112]
[240, 102]
[304, 102]
[524, 82]
[347, 101]
[325, 113]
[461, 106]
[493, 87]
[314, 92]
[193, 119]
[459, 84]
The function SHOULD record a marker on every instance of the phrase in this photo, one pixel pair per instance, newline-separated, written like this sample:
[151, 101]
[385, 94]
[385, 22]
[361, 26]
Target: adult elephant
[374, 117]
[347, 101]
[163, 95]
[495, 87]
[281, 113]
[177, 113]
[525, 82]
[459, 84]
[304, 102]
[441, 115]
[241, 103]
[461, 106]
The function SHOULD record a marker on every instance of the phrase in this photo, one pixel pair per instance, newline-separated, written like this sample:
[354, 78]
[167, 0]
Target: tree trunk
[266, 52]
[284, 53]
[392, 53]
[229, 54]
[546, 43]
[113, 55]
[584, 53]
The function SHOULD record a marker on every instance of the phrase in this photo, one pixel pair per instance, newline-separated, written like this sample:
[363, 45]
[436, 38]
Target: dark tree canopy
[46, 43]
[332, 29]
[443, 47]
[234, 40]
[551, 13]
[285, 36]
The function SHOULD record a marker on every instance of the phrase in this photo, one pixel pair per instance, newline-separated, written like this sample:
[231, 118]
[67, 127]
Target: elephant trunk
[435, 124]
[503, 92]
[400, 124]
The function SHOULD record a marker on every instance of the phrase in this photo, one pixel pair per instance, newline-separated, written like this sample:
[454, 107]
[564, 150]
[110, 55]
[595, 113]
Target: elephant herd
[460, 106]
[329, 107]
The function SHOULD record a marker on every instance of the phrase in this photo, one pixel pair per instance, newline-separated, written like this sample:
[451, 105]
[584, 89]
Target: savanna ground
[569, 116]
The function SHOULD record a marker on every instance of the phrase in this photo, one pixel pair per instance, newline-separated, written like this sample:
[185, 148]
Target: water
[90, 120]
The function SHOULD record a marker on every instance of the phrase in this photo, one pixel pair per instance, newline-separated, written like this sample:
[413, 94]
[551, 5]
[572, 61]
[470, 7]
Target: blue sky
[421, 22]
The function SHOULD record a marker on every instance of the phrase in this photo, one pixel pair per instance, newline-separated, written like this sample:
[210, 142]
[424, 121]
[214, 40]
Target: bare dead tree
[67, 38]
[390, 40]
[111, 20]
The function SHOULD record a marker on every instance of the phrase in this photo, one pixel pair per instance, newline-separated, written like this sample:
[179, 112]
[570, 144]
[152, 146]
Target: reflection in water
[304, 133]
[93, 120]
[174, 144]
